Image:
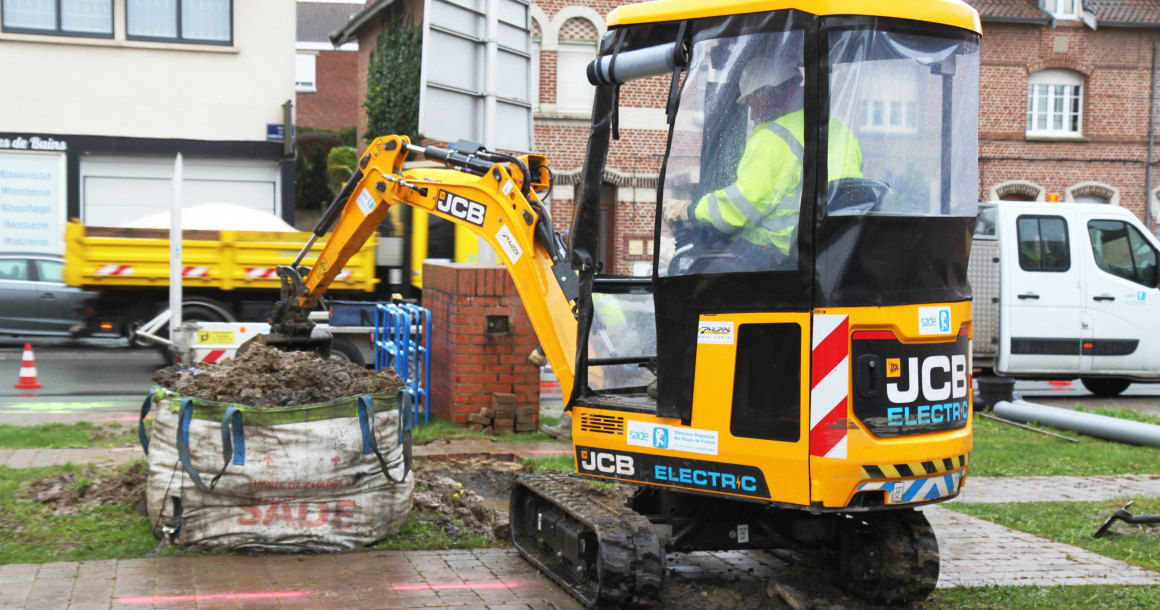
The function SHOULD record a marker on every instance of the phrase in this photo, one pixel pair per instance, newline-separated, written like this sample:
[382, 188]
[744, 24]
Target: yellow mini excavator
[808, 317]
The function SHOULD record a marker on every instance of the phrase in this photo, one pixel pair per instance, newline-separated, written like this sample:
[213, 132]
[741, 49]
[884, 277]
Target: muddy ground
[64, 492]
[265, 377]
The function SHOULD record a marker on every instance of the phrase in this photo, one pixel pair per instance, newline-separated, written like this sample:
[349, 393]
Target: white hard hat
[766, 72]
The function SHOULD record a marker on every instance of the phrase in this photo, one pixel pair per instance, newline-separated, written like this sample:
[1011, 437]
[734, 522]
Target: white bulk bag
[311, 478]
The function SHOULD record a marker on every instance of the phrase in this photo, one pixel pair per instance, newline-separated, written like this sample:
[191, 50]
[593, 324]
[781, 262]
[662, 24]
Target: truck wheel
[341, 349]
[1105, 388]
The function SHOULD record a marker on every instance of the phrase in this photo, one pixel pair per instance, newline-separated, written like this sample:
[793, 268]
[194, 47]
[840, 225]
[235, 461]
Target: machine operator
[758, 213]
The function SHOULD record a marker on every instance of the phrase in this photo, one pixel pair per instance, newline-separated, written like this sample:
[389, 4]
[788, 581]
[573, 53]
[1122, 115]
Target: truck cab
[1066, 290]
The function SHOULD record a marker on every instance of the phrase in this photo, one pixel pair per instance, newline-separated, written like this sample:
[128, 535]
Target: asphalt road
[81, 380]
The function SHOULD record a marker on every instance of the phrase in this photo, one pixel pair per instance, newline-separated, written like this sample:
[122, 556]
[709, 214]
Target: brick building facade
[1086, 138]
[328, 96]
[1064, 100]
[565, 33]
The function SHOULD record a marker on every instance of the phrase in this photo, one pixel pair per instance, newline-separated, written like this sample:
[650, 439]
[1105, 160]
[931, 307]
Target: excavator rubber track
[555, 522]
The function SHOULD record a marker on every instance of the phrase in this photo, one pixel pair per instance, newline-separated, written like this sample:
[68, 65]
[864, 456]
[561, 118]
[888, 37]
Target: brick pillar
[468, 365]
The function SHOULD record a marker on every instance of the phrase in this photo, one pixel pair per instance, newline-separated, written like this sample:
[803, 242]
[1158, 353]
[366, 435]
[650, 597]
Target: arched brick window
[1093, 192]
[578, 37]
[1017, 190]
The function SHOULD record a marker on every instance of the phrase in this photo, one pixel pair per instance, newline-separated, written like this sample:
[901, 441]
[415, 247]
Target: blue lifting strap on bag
[405, 429]
[233, 450]
[184, 417]
[366, 422]
[145, 406]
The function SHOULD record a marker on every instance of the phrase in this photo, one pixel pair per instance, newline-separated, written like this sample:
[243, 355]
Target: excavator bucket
[317, 341]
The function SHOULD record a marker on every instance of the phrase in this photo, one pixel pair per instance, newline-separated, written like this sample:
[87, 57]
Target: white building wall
[119, 87]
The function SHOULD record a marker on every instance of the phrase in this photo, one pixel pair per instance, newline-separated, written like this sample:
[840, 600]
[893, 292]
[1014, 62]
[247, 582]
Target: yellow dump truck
[228, 276]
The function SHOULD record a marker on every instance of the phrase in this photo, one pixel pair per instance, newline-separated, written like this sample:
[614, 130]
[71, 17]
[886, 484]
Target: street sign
[476, 80]
[275, 132]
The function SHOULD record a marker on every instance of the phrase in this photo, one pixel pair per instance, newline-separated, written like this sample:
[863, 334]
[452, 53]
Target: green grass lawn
[1074, 523]
[445, 431]
[563, 462]
[69, 436]
[1001, 450]
[29, 533]
[1086, 597]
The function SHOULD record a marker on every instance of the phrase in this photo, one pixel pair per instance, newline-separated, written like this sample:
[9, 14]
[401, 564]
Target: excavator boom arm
[493, 199]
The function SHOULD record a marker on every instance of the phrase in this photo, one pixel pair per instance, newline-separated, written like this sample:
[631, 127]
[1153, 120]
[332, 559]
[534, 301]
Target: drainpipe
[1151, 142]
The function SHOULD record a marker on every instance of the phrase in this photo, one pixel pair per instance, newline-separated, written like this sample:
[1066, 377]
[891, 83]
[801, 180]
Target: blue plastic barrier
[403, 341]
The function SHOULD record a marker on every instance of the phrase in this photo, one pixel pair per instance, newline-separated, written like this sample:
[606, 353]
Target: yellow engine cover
[807, 409]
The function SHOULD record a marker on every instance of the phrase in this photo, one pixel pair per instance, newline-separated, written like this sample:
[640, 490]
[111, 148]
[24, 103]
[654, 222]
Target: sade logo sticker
[934, 320]
[461, 207]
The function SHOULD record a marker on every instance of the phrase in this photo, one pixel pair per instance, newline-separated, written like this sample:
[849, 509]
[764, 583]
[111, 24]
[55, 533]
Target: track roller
[889, 557]
[606, 557]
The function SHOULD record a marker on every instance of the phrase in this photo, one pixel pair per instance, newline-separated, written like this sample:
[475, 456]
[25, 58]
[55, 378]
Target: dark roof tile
[317, 19]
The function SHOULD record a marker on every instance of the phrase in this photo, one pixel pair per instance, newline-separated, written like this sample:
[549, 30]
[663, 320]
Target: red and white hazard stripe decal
[214, 356]
[195, 272]
[115, 270]
[829, 385]
[344, 274]
[261, 272]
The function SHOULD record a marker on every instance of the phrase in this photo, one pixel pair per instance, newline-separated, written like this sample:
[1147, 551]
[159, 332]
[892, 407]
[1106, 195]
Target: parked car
[35, 301]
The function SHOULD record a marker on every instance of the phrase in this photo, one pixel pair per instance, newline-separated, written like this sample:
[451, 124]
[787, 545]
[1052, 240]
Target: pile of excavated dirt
[64, 492]
[265, 377]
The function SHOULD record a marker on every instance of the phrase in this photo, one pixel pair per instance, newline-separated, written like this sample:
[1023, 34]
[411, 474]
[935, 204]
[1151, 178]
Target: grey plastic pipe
[1099, 426]
[633, 65]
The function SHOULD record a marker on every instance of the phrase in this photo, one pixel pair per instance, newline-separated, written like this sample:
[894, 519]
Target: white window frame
[1072, 90]
[536, 48]
[59, 28]
[300, 64]
[1064, 9]
[577, 106]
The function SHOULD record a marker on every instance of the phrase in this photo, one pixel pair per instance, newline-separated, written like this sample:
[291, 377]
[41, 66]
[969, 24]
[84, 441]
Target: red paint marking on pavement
[200, 598]
[486, 585]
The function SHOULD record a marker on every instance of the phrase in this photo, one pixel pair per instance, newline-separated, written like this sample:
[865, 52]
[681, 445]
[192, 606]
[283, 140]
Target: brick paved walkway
[990, 490]
[976, 553]
[495, 579]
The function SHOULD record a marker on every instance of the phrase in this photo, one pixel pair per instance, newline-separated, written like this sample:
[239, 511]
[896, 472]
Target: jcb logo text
[461, 207]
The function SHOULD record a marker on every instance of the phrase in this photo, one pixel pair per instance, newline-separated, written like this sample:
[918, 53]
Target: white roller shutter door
[117, 190]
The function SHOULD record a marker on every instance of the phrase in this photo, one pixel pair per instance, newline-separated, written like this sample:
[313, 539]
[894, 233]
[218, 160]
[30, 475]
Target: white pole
[486, 255]
[175, 250]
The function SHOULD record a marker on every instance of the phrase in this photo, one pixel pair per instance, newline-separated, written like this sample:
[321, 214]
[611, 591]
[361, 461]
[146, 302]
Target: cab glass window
[903, 134]
[733, 185]
[623, 326]
[13, 269]
[50, 271]
[986, 222]
[1119, 249]
[1043, 244]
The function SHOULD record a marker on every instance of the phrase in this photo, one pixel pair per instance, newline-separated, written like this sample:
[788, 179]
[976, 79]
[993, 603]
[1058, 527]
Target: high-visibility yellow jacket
[762, 206]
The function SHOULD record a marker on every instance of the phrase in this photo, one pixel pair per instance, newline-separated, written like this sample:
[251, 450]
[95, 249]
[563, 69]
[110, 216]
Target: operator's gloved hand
[676, 211]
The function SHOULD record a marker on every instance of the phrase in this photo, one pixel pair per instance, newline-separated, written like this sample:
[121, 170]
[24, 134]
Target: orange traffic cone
[28, 371]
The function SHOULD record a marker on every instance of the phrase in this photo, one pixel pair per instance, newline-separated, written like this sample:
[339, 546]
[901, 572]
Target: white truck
[1065, 291]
